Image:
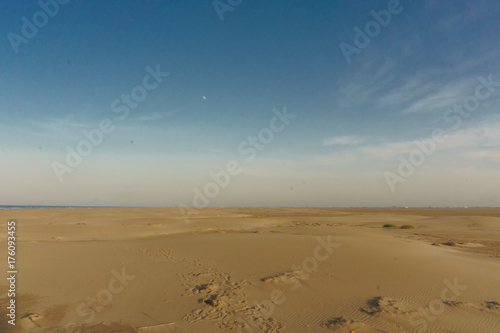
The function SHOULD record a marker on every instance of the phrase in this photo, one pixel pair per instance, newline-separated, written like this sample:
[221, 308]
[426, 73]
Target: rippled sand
[254, 270]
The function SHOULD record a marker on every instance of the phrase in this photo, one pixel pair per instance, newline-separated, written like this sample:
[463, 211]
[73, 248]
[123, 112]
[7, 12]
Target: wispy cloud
[478, 142]
[492, 155]
[372, 78]
[342, 140]
[440, 98]
[67, 127]
[337, 159]
[426, 92]
[412, 88]
[68, 121]
[156, 116]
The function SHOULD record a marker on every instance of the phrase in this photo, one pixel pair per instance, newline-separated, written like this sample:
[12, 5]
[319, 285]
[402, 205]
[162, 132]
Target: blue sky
[355, 118]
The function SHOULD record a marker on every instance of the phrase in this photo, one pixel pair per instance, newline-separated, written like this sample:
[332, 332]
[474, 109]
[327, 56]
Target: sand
[254, 270]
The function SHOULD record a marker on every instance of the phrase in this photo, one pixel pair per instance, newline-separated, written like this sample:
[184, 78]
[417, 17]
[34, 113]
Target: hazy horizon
[254, 104]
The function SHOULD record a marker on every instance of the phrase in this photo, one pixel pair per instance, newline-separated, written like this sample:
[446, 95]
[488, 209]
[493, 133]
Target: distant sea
[34, 206]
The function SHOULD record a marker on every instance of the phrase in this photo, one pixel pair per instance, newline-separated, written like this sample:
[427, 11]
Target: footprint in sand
[341, 324]
[383, 305]
[223, 301]
[29, 321]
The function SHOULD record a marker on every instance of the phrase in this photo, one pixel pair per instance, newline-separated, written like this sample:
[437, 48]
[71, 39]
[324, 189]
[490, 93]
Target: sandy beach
[149, 270]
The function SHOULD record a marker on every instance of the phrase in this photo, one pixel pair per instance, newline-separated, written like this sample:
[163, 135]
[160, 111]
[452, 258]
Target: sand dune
[255, 270]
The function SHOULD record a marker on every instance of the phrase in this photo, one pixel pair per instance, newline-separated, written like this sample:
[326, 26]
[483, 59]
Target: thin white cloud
[386, 151]
[342, 140]
[366, 84]
[66, 127]
[384, 69]
[492, 155]
[337, 159]
[484, 135]
[480, 141]
[438, 99]
[218, 151]
[414, 87]
[156, 116]
[59, 123]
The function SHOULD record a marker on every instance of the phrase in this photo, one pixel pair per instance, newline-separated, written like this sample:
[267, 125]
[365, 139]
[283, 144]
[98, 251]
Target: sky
[250, 103]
